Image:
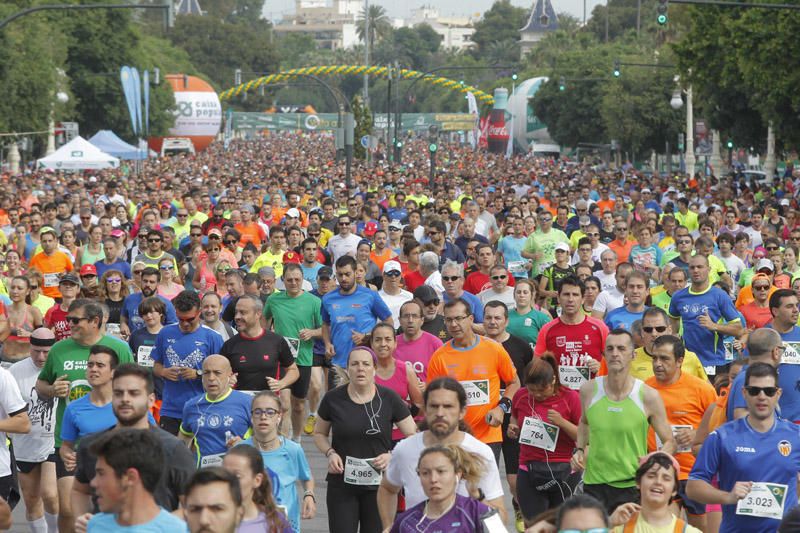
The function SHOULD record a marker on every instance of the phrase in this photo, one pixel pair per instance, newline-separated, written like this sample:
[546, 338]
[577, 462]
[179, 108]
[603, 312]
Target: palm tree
[380, 26]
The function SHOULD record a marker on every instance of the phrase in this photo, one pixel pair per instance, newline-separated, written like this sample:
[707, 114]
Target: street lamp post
[677, 102]
[62, 98]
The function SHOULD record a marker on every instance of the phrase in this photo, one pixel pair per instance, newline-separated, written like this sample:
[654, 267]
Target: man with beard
[132, 398]
[210, 311]
[131, 321]
[445, 406]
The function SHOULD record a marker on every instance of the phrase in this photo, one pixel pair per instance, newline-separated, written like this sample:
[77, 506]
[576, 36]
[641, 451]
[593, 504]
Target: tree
[380, 26]
[500, 24]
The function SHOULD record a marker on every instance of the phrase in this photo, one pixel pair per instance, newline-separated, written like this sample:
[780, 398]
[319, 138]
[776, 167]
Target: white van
[177, 145]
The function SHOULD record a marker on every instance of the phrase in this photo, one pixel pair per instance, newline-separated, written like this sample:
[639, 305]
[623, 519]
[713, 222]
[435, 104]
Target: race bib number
[114, 330]
[765, 500]
[143, 356]
[675, 429]
[791, 355]
[51, 280]
[517, 267]
[538, 433]
[361, 472]
[729, 351]
[710, 370]
[211, 460]
[294, 345]
[477, 391]
[573, 376]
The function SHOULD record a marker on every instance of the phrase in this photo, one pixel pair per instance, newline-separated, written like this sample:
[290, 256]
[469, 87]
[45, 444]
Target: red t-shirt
[756, 317]
[413, 280]
[567, 402]
[56, 319]
[573, 343]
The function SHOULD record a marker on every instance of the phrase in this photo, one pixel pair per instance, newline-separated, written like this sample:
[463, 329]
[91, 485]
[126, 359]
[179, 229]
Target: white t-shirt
[394, 302]
[40, 442]
[340, 246]
[507, 297]
[607, 301]
[402, 470]
[734, 265]
[11, 403]
[607, 281]
[434, 281]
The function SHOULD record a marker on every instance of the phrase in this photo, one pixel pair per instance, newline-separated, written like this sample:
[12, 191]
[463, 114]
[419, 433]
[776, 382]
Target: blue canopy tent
[108, 142]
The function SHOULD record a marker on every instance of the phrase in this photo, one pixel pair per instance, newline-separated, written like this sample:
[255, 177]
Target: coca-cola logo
[498, 131]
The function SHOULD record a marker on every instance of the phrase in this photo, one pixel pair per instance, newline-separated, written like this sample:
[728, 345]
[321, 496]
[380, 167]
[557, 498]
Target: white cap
[562, 246]
[293, 212]
[390, 266]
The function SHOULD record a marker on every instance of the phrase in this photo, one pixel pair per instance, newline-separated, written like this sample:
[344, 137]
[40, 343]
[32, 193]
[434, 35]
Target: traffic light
[730, 144]
[398, 143]
[562, 84]
[514, 76]
[432, 147]
[617, 71]
[661, 11]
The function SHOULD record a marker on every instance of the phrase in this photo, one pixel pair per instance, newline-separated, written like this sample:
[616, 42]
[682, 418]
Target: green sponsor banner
[422, 121]
[327, 121]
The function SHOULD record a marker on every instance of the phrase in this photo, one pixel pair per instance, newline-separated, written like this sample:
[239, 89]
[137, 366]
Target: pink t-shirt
[417, 352]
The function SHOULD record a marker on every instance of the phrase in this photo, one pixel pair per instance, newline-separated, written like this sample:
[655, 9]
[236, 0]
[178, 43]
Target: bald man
[220, 412]
[35, 452]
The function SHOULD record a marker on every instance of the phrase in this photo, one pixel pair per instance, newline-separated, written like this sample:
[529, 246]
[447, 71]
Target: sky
[277, 9]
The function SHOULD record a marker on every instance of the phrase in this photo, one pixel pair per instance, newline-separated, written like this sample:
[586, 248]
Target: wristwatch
[199, 372]
[505, 405]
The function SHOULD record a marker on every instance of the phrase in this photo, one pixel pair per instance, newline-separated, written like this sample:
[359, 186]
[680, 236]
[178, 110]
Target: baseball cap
[325, 273]
[47, 229]
[291, 257]
[215, 232]
[395, 224]
[564, 247]
[117, 233]
[69, 277]
[392, 266]
[425, 294]
[370, 228]
[785, 201]
[646, 190]
[584, 220]
[88, 270]
[765, 263]
[293, 213]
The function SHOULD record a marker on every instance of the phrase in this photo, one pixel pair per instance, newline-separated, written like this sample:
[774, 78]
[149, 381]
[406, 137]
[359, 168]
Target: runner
[212, 420]
[178, 358]
[755, 459]
[296, 316]
[415, 346]
[445, 407]
[360, 415]
[686, 399]
[34, 452]
[617, 410]
[480, 365]
[213, 501]
[577, 341]
[131, 321]
[51, 262]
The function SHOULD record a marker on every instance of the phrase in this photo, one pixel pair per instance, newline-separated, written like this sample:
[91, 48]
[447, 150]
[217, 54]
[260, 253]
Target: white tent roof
[78, 154]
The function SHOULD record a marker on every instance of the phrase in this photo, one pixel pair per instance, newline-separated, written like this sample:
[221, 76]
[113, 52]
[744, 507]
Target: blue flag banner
[126, 78]
[146, 92]
[137, 98]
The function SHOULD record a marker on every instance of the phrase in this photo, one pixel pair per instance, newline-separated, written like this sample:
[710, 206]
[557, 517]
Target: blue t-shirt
[310, 273]
[474, 303]
[164, 522]
[102, 267]
[130, 310]
[511, 248]
[622, 318]
[208, 421]
[645, 256]
[175, 348]
[737, 452]
[689, 306]
[290, 465]
[82, 417]
[345, 314]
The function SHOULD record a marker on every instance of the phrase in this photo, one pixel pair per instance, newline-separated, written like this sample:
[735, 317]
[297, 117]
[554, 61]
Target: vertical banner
[146, 93]
[702, 138]
[137, 97]
[126, 79]
[510, 145]
[473, 110]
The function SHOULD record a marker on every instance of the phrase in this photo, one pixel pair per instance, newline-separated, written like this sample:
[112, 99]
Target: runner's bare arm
[657, 414]
[387, 502]
[81, 498]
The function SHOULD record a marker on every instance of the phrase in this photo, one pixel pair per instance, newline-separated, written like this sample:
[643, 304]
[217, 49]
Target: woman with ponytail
[261, 514]
[440, 469]
[544, 417]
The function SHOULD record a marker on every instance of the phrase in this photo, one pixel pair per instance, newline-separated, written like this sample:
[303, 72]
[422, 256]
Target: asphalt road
[319, 524]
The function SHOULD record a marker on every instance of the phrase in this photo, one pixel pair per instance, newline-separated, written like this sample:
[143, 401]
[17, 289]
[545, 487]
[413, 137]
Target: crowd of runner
[623, 348]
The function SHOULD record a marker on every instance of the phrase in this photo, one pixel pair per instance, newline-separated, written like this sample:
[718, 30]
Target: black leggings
[540, 490]
[349, 506]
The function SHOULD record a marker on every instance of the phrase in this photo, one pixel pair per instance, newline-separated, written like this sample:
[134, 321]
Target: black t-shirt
[254, 360]
[351, 422]
[114, 310]
[437, 328]
[179, 466]
[229, 314]
[520, 353]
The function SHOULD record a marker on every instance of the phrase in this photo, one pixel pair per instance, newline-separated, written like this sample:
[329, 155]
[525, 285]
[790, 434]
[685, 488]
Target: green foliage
[380, 26]
[497, 33]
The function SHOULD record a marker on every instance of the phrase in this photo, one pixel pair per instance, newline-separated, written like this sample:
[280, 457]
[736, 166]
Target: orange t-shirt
[622, 250]
[251, 232]
[381, 259]
[480, 369]
[686, 402]
[606, 205]
[51, 268]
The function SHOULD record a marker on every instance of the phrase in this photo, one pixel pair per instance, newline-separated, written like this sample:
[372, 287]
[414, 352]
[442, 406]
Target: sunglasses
[755, 391]
[451, 278]
[344, 223]
[392, 274]
[593, 234]
[760, 287]
[137, 272]
[230, 242]
[196, 234]
[497, 278]
[651, 329]
[684, 241]
[114, 280]
[213, 249]
[183, 214]
[153, 240]
[165, 267]
[772, 248]
[74, 320]
[315, 235]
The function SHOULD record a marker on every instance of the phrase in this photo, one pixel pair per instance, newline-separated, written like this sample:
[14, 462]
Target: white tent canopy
[78, 154]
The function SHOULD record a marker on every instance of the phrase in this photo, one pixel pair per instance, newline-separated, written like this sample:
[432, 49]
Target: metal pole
[690, 159]
[770, 163]
[349, 134]
[389, 149]
[638, 16]
[366, 52]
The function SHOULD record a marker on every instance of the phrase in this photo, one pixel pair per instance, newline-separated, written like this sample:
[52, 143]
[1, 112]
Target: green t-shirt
[546, 244]
[290, 315]
[526, 326]
[69, 358]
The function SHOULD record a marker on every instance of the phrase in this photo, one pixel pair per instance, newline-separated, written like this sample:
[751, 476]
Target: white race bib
[729, 351]
[143, 356]
[765, 500]
[517, 267]
[573, 376]
[294, 345]
[51, 280]
[710, 370]
[538, 433]
[114, 330]
[791, 355]
[477, 391]
[675, 429]
[360, 472]
[211, 460]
